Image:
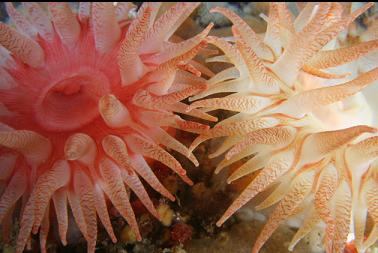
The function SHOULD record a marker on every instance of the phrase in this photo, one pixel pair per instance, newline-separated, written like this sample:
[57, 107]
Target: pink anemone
[84, 98]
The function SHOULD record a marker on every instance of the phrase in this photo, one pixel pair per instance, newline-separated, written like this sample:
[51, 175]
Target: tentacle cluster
[308, 133]
[85, 98]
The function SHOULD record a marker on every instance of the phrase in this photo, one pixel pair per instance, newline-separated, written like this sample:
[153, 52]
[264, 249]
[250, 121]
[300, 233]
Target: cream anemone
[309, 130]
[85, 97]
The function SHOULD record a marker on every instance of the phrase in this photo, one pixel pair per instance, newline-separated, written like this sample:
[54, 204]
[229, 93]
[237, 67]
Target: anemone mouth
[71, 102]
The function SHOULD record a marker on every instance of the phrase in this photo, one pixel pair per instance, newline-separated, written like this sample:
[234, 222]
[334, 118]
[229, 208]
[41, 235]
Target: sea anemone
[85, 98]
[311, 136]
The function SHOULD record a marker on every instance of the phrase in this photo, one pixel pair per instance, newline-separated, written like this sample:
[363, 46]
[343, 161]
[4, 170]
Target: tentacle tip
[155, 214]
[219, 223]
[193, 159]
[372, 130]
[206, 128]
[35, 230]
[191, 99]
[171, 198]
[231, 179]
[64, 242]
[138, 236]
[213, 119]
[188, 181]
